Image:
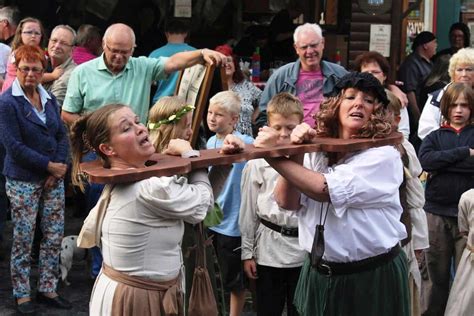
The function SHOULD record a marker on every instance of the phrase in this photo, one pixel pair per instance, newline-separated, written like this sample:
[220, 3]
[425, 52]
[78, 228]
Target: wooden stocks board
[165, 165]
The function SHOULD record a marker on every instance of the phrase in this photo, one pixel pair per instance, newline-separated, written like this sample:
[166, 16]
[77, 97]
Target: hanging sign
[380, 35]
[182, 8]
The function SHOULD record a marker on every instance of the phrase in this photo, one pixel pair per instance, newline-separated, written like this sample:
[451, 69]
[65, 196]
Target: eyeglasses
[374, 72]
[312, 46]
[34, 70]
[467, 69]
[31, 33]
[55, 41]
[119, 51]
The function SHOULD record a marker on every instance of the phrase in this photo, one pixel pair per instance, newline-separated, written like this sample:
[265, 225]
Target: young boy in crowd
[222, 117]
[270, 250]
[412, 198]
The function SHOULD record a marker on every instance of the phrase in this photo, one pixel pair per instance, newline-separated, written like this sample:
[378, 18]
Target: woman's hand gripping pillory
[232, 145]
[303, 133]
[267, 137]
[180, 147]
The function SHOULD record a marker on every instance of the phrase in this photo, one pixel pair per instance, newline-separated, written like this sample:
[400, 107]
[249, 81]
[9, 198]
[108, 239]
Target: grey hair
[108, 31]
[227, 100]
[11, 14]
[307, 28]
[68, 28]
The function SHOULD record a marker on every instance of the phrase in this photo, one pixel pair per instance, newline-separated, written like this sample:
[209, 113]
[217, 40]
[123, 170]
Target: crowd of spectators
[319, 224]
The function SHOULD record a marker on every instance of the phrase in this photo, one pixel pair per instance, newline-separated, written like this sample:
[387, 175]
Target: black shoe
[57, 301]
[26, 308]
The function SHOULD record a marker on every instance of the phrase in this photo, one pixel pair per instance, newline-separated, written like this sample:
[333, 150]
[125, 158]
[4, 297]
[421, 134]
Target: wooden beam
[165, 165]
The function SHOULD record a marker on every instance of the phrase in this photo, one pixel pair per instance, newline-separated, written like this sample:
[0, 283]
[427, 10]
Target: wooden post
[395, 45]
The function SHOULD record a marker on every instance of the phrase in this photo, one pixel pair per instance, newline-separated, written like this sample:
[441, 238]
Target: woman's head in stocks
[115, 134]
[170, 118]
[356, 109]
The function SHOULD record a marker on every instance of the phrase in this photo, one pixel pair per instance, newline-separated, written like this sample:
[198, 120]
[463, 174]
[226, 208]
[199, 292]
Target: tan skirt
[461, 297]
[140, 296]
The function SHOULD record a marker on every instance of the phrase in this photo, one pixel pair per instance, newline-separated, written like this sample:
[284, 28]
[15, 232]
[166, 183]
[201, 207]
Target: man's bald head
[118, 44]
[120, 30]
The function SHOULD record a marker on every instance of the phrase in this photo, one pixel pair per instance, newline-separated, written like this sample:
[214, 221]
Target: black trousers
[275, 286]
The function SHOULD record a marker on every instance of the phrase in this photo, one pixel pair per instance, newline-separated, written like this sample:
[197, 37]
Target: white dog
[69, 253]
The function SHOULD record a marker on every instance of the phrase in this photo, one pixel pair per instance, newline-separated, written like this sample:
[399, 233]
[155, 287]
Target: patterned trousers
[27, 201]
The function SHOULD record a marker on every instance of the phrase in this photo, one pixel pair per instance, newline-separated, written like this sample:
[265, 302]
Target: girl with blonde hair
[170, 118]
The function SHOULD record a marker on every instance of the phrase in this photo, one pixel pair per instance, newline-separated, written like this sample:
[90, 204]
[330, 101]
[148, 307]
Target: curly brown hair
[327, 120]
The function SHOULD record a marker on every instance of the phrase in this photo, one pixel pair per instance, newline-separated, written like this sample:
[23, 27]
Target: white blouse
[143, 226]
[364, 214]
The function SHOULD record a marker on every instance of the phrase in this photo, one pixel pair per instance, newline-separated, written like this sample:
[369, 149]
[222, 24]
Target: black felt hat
[422, 38]
[363, 81]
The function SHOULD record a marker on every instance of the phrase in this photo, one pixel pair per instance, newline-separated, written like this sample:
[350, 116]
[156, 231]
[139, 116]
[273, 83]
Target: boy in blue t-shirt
[222, 117]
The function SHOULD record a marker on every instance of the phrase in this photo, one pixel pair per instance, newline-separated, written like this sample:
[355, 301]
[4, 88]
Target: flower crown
[173, 118]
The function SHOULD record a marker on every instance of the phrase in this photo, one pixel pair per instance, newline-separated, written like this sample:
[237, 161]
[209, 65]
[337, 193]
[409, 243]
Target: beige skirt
[461, 297]
[116, 293]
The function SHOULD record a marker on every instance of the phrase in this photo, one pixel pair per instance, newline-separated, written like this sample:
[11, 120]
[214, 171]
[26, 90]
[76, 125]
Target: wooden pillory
[194, 85]
[166, 165]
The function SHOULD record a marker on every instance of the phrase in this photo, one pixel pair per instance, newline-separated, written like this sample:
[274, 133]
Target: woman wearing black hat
[348, 209]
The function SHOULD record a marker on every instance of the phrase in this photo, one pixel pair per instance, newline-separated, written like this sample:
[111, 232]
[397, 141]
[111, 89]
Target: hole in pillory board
[150, 163]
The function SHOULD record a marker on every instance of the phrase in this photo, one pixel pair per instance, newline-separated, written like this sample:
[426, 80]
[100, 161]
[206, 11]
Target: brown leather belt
[285, 231]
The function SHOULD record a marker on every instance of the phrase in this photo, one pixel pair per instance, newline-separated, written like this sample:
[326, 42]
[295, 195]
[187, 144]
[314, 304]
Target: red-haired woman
[36, 148]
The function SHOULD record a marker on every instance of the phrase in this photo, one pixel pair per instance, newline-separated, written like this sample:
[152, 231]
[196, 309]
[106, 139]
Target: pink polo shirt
[309, 89]
[81, 55]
